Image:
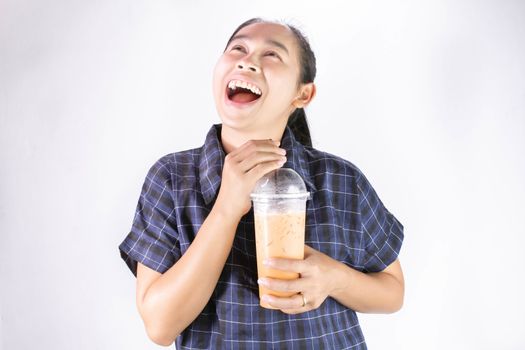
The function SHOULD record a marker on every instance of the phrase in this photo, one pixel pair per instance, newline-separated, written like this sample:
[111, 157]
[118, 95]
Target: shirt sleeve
[153, 239]
[382, 232]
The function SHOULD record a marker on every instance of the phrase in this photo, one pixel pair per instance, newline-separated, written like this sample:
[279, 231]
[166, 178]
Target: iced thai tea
[278, 236]
[279, 204]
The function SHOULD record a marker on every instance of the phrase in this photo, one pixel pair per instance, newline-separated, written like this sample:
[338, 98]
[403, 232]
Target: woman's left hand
[315, 284]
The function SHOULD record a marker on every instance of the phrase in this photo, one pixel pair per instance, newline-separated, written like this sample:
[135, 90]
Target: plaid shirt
[345, 219]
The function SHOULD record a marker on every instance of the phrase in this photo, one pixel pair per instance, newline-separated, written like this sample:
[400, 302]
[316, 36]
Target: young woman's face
[263, 58]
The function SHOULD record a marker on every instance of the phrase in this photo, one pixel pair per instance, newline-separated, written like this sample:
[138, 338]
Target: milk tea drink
[278, 236]
[279, 200]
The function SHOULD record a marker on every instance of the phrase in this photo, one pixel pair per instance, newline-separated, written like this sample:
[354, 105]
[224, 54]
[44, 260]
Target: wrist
[341, 279]
[225, 212]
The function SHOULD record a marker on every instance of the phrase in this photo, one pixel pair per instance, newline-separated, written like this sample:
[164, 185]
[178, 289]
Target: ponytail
[299, 126]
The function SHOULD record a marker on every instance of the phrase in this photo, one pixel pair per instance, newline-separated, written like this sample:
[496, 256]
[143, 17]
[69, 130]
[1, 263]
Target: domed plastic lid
[282, 183]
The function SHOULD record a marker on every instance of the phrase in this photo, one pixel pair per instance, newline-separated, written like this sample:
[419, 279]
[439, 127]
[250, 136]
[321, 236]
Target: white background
[427, 98]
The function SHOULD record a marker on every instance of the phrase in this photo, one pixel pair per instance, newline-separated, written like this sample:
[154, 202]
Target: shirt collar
[212, 159]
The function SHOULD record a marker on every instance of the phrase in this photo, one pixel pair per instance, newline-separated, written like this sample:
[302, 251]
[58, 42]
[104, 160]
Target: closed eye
[273, 54]
[238, 47]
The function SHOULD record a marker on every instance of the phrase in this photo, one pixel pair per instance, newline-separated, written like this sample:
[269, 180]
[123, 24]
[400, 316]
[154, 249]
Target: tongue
[244, 97]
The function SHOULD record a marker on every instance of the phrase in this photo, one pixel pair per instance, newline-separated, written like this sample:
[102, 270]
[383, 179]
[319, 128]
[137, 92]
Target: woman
[192, 243]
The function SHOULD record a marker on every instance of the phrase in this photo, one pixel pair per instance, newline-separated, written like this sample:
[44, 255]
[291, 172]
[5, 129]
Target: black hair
[297, 119]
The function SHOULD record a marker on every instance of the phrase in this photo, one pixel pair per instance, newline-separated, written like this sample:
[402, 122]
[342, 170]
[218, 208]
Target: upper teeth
[239, 83]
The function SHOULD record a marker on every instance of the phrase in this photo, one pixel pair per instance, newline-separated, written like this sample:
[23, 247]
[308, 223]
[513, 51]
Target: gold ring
[304, 300]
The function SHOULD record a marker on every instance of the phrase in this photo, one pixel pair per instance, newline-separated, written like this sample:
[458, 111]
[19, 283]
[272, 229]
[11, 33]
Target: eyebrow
[268, 41]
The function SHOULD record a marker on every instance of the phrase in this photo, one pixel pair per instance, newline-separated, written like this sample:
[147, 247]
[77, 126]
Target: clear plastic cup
[279, 204]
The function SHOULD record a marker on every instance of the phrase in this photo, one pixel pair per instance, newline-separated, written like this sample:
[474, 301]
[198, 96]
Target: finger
[260, 157]
[308, 250]
[268, 145]
[236, 151]
[286, 303]
[254, 149]
[292, 265]
[261, 169]
[251, 143]
[279, 285]
[294, 311]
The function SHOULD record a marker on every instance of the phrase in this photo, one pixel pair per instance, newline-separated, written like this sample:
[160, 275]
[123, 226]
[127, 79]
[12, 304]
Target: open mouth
[242, 92]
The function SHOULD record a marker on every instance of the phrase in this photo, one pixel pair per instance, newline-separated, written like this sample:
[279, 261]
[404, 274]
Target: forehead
[269, 31]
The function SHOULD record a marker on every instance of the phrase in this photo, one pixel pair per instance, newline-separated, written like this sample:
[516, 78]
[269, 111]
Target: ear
[306, 94]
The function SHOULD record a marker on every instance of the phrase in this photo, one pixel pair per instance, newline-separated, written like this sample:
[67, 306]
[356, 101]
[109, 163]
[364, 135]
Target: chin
[236, 123]
[236, 120]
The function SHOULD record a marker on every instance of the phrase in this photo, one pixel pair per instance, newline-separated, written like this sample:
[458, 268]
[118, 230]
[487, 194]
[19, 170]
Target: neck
[234, 138]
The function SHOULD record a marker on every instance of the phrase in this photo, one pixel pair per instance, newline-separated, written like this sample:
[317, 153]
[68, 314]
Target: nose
[244, 65]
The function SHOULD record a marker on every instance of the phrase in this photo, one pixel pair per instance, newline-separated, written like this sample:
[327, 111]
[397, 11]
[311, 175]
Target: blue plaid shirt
[345, 219]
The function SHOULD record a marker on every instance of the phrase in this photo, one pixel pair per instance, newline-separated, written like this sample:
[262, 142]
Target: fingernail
[265, 297]
[267, 262]
[262, 281]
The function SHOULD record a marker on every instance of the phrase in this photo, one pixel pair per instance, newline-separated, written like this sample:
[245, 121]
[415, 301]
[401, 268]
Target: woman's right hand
[242, 168]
